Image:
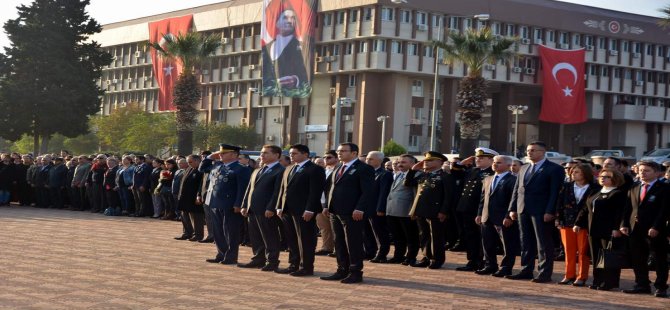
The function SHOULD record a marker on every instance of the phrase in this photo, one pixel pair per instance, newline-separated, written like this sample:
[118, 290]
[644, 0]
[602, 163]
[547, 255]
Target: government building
[375, 56]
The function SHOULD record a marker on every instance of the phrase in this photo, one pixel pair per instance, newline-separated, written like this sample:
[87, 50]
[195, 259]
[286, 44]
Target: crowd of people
[486, 205]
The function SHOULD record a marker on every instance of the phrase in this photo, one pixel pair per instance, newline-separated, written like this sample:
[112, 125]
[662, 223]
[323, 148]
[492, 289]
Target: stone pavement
[55, 259]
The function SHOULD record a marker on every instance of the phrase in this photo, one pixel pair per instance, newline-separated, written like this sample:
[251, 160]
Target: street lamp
[339, 103]
[382, 119]
[516, 110]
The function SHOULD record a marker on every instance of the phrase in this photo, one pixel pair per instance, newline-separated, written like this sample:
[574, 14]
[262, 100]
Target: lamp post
[516, 110]
[382, 119]
[339, 103]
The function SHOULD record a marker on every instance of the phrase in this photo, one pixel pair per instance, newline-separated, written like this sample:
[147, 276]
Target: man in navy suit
[495, 224]
[380, 191]
[140, 186]
[534, 205]
[258, 206]
[228, 181]
[349, 200]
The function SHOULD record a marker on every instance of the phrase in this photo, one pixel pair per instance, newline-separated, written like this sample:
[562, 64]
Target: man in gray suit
[405, 231]
[534, 205]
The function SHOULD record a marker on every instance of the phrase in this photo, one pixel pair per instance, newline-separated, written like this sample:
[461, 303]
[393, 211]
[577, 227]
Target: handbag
[611, 258]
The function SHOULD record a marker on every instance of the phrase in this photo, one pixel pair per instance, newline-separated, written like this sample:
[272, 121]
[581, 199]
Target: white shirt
[580, 191]
[500, 177]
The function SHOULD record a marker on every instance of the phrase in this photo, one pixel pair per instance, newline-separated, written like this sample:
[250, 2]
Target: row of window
[628, 74]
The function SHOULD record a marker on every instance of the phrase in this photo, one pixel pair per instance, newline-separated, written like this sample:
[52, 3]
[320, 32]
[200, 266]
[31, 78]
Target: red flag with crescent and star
[165, 71]
[563, 92]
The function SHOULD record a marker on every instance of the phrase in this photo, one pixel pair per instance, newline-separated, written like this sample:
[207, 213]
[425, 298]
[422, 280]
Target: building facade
[377, 53]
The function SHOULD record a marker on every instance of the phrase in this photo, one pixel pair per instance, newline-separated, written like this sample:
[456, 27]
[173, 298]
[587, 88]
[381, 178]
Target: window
[617, 73]
[379, 45]
[663, 78]
[363, 47]
[564, 38]
[639, 75]
[510, 30]
[340, 17]
[368, 14]
[495, 29]
[604, 71]
[428, 51]
[417, 91]
[396, 47]
[628, 74]
[637, 47]
[349, 48]
[614, 45]
[259, 113]
[352, 80]
[301, 111]
[336, 49]
[659, 51]
[467, 24]
[550, 36]
[523, 32]
[625, 46]
[413, 141]
[353, 16]
[437, 20]
[537, 34]
[602, 44]
[405, 16]
[650, 77]
[593, 69]
[576, 40]
[412, 49]
[417, 113]
[588, 40]
[421, 18]
[649, 49]
[327, 19]
[453, 22]
[387, 14]
[324, 50]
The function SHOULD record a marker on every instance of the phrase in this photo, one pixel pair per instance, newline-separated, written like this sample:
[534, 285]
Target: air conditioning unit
[276, 120]
[490, 67]
[589, 47]
[130, 80]
[613, 52]
[232, 70]
[346, 117]
[416, 121]
[204, 72]
[332, 58]
[529, 71]
[332, 90]
[310, 136]
[147, 78]
[225, 41]
[244, 121]
[525, 41]
[636, 55]
[320, 59]
[252, 67]
[232, 94]
[108, 82]
[517, 70]
[538, 41]
[564, 46]
[270, 138]
[639, 83]
[138, 54]
[421, 27]
[115, 81]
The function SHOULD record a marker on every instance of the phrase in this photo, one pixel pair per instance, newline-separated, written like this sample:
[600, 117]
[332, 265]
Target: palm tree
[474, 48]
[665, 20]
[189, 49]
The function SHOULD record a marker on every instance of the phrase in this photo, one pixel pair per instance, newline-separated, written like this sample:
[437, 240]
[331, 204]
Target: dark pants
[83, 198]
[640, 245]
[143, 205]
[26, 194]
[432, 236]
[56, 196]
[491, 236]
[472, 237]
[193, 223]
[405, 237]
[98, 201]
[536, 238]
[380, 237]
[127, 201]
[168, 203]
[112, 199]
[301, 239]
[227, 225]
[348, 242]
[264, 237]
[605, 277]
[43, 197]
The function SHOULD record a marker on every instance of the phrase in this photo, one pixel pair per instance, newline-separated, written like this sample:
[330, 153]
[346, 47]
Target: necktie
[531, 172]
[643, 193]
[341, 172]
[293, 171]
[495, 183]
[398, 178]
[262, 170]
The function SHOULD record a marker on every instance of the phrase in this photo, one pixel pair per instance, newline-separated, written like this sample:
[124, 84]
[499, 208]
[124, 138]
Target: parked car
[555, 157]
[658, 155]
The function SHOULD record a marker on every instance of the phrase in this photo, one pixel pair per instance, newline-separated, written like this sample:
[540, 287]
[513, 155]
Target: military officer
[228, 181]
[468, 204]
[434, 197]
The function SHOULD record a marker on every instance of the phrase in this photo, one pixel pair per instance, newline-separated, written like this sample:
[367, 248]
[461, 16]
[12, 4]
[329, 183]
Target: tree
[392, 148]
[190, 49]
[665, 20]
[50, 71]
[210, 137]
[474, 48]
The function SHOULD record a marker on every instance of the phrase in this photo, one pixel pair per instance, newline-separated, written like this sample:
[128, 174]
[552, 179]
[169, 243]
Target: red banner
[167, 72]
[563, 92]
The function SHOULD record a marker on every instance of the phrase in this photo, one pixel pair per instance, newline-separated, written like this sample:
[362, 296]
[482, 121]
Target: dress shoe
[208, 240]
[541, 280]
[195, 239]
[421, 264]
[182, 237]
[661, 293]
[396, 260]
[486, 271]
[638, 290]
[379, 260]
[229, 262]
[579, 283]
[520, 276]
[302, 273]
[466, 268]
[269, 267]
[435, 265]
[566, 281]
[605, 288]
[252, 265]
[408, 262]
[501, 273]
[352, 278]
[339, 275]
[322, 252]
[214, 260]
[289, 269]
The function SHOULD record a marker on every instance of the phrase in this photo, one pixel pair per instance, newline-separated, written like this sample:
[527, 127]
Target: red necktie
[645, 188]
[341, 172]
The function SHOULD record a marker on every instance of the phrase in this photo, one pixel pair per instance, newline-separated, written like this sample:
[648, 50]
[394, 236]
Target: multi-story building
[377, 53]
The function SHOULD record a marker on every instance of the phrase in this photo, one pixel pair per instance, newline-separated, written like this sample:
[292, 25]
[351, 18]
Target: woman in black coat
[192, 214]
[602, 217]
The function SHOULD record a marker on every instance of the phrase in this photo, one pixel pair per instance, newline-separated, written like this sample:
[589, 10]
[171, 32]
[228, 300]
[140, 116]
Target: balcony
[628, 112]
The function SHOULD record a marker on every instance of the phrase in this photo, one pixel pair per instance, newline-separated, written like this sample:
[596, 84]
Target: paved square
[54, 259]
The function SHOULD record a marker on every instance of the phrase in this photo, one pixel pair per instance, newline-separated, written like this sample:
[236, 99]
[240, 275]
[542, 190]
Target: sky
[106, 11]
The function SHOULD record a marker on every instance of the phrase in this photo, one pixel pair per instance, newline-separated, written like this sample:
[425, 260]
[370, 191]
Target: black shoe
[208, 240]
[501, 273]
[214, 260]
[466, 268]
[269, 267]
[421, 264]
[229, 262]
[352, 278]
[435, 265]
[252, 265]
[605, 288]
[322, 252]
[520, 276]
[302, 272]
[408, 262]
[194, 239]
[541, 280]
[661, 293]
[579, 283]
[565, 281]
[182, 237]
[288, 270]
[339, 275]
[486, 271]
[379, 260]
[396, 260]
[638, 290]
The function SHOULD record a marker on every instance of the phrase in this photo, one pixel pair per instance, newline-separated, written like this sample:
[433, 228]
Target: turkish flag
[563, 92]
[167, 72]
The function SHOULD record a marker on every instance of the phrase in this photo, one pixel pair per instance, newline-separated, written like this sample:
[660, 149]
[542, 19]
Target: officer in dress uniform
[434, 197]
[468, 204]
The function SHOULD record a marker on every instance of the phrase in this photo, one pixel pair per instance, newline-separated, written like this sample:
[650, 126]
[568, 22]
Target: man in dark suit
[259, 205]
[645, 221]
[192, 214]
[468, 204]
[534, 205]
[349, 200]
[495, 224]
[228, 181]
[435, 195]
[141, 187]
[56, 182]
[298, 203]
[380, 191]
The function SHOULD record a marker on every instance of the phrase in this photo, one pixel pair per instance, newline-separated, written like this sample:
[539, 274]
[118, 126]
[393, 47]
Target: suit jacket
[494, 204]
[57, 176]
[302, 192]
[381, 188]
[602, 213]
[263, 190]
[400, 198]
[43, 175]
[435, 193]
[188, 191]
[353, 190]
[650, 212]
[229, 183]
[472, 190]
[141, 176]
[110, 178]
[567, 207]
[537, 195]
